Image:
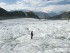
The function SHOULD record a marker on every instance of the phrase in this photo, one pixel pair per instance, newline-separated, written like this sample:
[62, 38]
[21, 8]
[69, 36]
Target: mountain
[19, 13]
[3, 12]
[32, 14]
[51, 14]
[42, 15]
[65, 15]
[16, 14]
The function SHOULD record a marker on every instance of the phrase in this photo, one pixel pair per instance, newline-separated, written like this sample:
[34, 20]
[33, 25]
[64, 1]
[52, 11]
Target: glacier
[50, 36]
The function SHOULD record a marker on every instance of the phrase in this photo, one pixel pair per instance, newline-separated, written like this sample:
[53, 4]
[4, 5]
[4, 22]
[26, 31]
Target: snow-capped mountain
[42, 15]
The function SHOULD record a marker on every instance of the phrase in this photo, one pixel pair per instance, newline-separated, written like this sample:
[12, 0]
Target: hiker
[31, 34]
[68, 20]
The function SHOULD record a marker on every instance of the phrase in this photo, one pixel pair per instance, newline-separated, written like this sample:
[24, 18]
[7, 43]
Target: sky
[8, 1]
[36, 5]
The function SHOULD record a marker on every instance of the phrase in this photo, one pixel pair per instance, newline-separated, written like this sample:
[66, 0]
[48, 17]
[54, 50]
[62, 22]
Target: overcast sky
[36, 5]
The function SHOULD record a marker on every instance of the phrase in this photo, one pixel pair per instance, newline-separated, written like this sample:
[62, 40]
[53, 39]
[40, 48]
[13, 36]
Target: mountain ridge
[63, 16]
[32, 14]
[15, 14]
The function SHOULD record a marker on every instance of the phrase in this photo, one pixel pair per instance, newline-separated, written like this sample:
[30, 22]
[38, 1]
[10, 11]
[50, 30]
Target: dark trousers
[31, 36]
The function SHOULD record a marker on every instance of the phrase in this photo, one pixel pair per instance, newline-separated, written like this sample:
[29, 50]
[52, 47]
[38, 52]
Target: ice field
[50, 36]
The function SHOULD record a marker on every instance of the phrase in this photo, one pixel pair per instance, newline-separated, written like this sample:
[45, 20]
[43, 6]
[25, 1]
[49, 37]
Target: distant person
[31, 34]
[68, 20]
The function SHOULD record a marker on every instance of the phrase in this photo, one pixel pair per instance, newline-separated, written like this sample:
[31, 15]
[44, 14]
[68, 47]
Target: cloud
[2, 3]
[57, 8]
[38, 5]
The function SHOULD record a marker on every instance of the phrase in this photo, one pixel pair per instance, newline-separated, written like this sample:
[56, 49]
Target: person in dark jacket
[31, 34]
